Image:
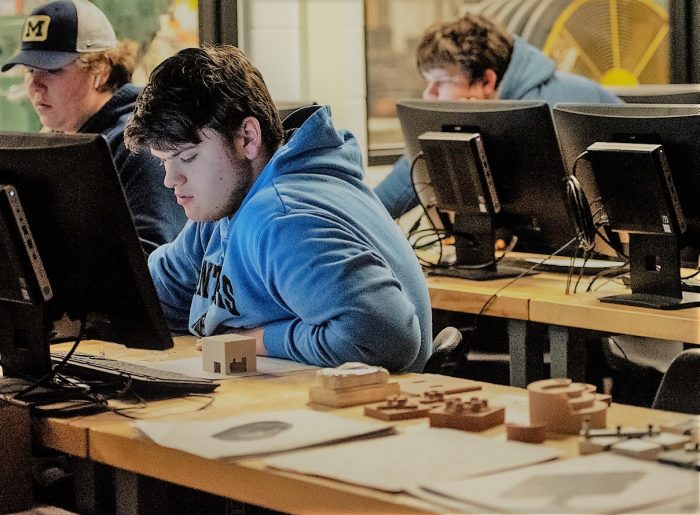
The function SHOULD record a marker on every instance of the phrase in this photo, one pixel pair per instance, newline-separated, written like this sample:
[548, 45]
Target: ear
[101, 76]
[490, 79]
[252, 137]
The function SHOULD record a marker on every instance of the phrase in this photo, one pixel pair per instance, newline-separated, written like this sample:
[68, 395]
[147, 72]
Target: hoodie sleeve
[343, 300]
[396, 191]
[174, 268]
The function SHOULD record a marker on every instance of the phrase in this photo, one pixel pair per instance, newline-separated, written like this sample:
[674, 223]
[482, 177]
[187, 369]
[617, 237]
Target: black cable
[22, 394]
[580, 208]
[614, 272]
[424, 207]
[495, 295]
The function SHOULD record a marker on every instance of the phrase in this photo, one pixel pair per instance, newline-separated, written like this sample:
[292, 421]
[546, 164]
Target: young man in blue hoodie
[285, 241]
[474, 58]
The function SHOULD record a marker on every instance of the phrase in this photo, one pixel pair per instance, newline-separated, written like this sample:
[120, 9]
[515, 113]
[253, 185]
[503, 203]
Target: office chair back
[296, 118]
[444, 345]
[680, 387]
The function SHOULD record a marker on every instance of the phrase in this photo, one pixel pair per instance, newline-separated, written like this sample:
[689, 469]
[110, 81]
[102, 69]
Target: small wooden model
[561, 405]
[536, 433]
[472, 415]
[642, 444]
[437, 383]
[687, 457]
[351, 384]
[397, 407]
[228, 354]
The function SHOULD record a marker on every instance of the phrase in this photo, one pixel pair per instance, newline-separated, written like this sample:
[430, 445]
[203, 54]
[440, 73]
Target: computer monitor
[515, 143]
[658, 93]
[77, 221]
[641, 172]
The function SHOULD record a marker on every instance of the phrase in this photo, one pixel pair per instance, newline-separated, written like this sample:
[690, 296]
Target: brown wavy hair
[473, 42]
[121, 61]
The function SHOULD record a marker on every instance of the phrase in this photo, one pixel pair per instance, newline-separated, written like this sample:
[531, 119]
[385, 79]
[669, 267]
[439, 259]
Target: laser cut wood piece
[562, 405]
[228, 354]
[473, 415]
[437, 383]
[397, 407]
[351, 384]
[352, 396]
[688, 457]
[690, 427]
[645, 444]
[432, 397]
[536, 433]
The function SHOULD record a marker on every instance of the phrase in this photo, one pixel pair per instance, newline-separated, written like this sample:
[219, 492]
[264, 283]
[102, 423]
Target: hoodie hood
[531, 75]
[309, 147]
[115, 112]
[528, 69]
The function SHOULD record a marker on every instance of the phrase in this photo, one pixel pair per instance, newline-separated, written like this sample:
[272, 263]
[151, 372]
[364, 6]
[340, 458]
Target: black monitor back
[676, 127]
[523, 154]
[659, 93]
[83, 230]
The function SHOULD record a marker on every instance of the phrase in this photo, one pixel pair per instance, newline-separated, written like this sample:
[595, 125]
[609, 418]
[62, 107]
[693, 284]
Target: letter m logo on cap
[36, 28]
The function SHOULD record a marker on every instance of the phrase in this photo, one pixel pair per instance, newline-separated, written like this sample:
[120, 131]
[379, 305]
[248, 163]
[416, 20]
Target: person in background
[77, 78]
[286, 242]
[475, 58]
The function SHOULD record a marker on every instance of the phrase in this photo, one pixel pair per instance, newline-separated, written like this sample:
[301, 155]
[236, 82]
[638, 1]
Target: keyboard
[142, 380]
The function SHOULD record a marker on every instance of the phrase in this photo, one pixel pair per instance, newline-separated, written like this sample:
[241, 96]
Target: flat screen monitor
[515, 142]
[641, 172]
[659, 93]
[82, 231]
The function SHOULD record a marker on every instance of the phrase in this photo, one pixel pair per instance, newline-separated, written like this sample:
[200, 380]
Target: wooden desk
[112, 441]
[542, 298]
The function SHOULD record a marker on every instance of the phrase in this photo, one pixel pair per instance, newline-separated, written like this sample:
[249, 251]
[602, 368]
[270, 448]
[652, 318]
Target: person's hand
[257, 333]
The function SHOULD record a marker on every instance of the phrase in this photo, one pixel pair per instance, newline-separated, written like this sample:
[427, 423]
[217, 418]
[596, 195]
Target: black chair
[680, 387]
[444, 346]
[295, 118]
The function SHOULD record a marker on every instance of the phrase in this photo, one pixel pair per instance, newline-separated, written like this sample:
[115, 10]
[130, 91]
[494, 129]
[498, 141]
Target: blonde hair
[121, 61]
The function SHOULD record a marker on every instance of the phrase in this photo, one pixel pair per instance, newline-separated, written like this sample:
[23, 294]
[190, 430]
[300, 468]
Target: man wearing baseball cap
[78, 80]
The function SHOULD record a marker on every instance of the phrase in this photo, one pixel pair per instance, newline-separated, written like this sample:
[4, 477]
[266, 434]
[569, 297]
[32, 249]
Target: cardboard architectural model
[351, 384]
[398, 407]
[228, 354]
[472, 415]
[562, 405]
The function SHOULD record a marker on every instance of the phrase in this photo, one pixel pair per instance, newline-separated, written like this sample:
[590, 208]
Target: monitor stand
[655, 275]
[475, 245]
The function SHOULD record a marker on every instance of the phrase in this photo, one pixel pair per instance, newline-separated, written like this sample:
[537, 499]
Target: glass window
[625, 46]
[160, 27]
[393, 28]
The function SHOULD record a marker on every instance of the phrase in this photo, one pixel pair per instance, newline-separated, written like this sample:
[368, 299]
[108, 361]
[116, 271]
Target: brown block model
[351, 384]
[398, 407]
[472, 415]
[562, 405]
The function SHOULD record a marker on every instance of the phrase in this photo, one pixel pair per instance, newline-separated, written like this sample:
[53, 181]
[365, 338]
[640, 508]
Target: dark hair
[473, 43]
[214, 87]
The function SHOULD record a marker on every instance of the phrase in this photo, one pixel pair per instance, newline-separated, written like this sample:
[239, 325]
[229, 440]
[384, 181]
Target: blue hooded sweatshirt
[311, 256]
[530, 75]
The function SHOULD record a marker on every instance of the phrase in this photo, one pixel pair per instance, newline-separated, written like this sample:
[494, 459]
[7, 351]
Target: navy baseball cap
[56, 33]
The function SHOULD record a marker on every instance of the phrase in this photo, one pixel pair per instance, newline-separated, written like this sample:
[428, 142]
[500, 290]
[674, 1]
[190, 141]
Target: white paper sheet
[398, 463]
[599, 483]
[256, 434]
[193, 367]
